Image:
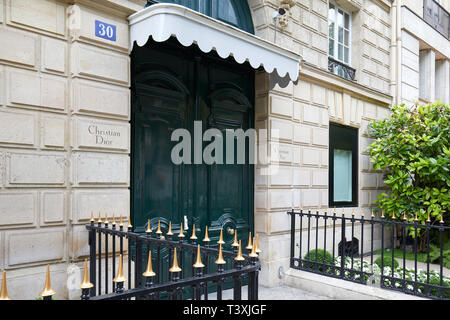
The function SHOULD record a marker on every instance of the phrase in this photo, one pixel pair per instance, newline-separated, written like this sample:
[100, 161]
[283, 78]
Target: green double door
[173, 86]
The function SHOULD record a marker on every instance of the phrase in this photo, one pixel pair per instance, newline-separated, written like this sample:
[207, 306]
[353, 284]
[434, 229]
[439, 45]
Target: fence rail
[176, 275]
[196, 271]
[350, 261]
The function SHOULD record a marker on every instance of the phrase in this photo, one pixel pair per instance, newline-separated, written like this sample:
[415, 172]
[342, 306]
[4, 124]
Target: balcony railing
[437, 17]
[341, 69]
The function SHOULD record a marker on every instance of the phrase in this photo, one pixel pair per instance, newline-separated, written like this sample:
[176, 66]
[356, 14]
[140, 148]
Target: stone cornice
[328, 79]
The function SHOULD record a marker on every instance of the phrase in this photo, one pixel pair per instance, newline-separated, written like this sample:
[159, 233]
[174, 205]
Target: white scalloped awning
[161, 21]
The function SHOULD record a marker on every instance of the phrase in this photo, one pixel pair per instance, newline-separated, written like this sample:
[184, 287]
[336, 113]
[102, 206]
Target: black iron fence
[182, 268]
[372, 253]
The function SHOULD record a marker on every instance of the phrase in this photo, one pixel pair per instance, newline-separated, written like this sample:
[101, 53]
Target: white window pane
[347, 21]
[346, 37]
[341, 35]
[331, 47]
[340, 21]
[340, 52]
[346, 55]
[331, 30]
[331, 13]
[342, 180]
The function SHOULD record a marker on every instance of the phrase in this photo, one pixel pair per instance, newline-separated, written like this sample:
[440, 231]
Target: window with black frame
[343, 166]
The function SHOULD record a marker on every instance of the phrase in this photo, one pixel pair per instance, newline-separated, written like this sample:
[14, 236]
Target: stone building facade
[65, 111]
[423, 50]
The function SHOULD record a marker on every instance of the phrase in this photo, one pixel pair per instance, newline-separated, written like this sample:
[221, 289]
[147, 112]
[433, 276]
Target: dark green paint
[171, 87]
[234, 12]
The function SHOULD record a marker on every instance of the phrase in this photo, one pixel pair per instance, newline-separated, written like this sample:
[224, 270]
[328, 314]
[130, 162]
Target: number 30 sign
[105, 30]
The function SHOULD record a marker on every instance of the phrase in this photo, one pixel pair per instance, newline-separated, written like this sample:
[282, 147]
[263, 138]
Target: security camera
[278, 13]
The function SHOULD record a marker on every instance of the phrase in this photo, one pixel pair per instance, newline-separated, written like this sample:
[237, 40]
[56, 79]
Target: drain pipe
[393, 52]
[398, 22]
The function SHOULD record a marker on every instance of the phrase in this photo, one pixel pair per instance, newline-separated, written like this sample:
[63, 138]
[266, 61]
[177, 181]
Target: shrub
[435, 292]
[412, 148]
[387, 262]
[322, 257]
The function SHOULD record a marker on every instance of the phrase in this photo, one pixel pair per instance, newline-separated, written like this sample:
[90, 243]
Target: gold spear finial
[113, 220]
[149, 230]
[175, 267]
[106, 218]
[169, 232]
[120, 277]
[206, 238]
[181, 234]
[258, 250]
[48, 291]
[86, 284]
[198, 263]
[393, 215]
[404, 215]
[334, 210]
[239, 256]
[193, 236]
[92, 216]
[4, 291]
[149, 272]
[371, 213]
[158, 230]
[235, 242]
[415, 217]
[442, 218]
[353, 211]
[220, 259]
[362, 213]
[129, 223]
[428, 219]
[120, 221]
[249, 247]
[382, 214]
[99, 218]
[253, 254]
[221, 237]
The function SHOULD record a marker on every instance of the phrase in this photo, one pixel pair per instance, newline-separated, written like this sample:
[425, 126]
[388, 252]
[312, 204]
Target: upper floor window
[339, 41]
[234, 12]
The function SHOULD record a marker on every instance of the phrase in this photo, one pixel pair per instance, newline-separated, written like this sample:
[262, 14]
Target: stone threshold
[340, 289]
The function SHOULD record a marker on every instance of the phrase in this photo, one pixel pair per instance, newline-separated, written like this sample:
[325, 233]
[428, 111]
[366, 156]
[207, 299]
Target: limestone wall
[64, 135]
[65, 132]
[302, 178]
[307, 34]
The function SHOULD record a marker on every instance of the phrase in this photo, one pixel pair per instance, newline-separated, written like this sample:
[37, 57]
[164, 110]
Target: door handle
[230, 231]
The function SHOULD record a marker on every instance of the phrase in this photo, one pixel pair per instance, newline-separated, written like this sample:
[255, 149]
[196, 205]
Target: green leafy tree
[412, 149]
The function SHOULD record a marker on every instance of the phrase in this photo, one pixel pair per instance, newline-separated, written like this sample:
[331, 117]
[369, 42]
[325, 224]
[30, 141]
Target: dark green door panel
[173, 86]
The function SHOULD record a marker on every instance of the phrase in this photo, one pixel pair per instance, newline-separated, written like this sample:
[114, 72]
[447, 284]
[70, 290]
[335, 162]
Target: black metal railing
[341, 69]
[182, 268]
[437, 17]
[354, 261]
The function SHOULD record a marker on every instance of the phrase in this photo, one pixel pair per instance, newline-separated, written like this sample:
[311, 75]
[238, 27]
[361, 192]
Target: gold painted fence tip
[175, 266]
[4, 291]
[48, 291]
[120, 277]
[86, 284]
